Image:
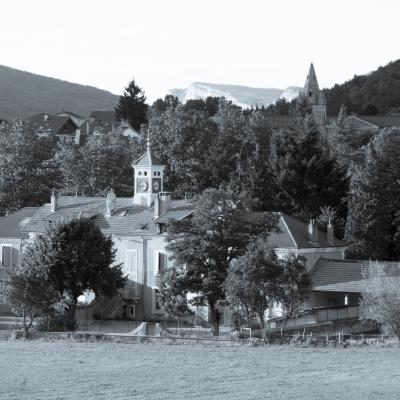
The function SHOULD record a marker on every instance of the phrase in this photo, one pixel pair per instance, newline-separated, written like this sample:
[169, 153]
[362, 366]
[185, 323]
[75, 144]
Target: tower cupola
[149, 177]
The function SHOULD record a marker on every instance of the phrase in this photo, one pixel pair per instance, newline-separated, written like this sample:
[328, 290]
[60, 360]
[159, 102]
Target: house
[373, 122]
[47, 125]
[307, 240]
[107, 122]
[13, 237]
[136, 225]
[78, 119]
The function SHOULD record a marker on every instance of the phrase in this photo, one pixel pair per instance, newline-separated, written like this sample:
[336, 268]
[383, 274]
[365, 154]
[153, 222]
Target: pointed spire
[148, 141]
[311, 84]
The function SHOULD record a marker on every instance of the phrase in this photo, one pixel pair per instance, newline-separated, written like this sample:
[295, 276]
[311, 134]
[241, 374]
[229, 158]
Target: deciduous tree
[217, 233]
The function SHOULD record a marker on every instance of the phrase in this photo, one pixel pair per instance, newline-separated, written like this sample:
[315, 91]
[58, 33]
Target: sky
[166, 44]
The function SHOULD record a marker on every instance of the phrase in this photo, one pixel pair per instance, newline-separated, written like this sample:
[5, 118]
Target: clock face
[142, 185]
[156, 185]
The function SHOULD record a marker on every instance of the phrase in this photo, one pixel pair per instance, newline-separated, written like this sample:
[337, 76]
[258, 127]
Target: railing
[337, 313]
[323, 314]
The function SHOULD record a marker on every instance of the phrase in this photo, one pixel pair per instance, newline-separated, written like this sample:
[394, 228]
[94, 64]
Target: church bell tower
[149, 178]
[315, 97]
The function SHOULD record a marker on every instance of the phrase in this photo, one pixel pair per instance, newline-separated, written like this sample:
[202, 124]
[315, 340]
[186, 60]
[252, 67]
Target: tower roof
[311, 84]
[147, 159]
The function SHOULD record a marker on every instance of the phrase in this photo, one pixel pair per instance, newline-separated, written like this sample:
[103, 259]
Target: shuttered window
[131, 267]
[6, 252]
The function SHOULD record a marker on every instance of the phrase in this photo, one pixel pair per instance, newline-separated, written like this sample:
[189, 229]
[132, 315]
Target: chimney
[312, 231]
[45, 117]
[77, 136]
[157, 206]
[330, 233]
[111, 201]
[53, 201]
[161, 204]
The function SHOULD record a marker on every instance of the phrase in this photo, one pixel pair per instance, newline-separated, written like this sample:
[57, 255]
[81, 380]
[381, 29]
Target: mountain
[377, 92]
[242, 96]
[24, 94]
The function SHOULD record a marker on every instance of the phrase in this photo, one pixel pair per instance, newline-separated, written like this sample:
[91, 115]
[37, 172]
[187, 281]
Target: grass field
[76, 370]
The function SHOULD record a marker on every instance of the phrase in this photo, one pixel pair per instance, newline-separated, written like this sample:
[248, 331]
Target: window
[6, 259]
[155, 173]
[309, 94]
[145, 173]
[159, 173]
[140, 172]
[131, 267]
[160, 262]
[131, 311]
[157, 301]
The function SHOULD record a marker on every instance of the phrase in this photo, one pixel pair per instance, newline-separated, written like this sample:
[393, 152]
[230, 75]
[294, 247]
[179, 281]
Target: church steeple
[315, 96]
[311, 88]
[149, 176]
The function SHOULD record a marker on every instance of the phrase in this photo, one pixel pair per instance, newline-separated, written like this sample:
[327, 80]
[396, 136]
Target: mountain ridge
[243, 96]
[23, 94]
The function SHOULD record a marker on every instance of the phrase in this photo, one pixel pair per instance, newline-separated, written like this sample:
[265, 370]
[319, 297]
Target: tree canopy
[132, 106]
[207, 243]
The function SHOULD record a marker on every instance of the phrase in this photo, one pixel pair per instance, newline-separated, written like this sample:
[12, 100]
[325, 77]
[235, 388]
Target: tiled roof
[71, 114]
[344, 275]
[380, 121]
[293, 233]
[147, 159]
[126, 220]
[49, 123]
[12, 225]
[104, 116]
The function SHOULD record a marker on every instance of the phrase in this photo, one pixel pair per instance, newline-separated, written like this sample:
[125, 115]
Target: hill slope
[242, 96]
[378, 91]
[23, 94]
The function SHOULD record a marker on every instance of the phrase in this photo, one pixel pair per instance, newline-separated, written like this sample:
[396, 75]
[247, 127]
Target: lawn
[77, 370]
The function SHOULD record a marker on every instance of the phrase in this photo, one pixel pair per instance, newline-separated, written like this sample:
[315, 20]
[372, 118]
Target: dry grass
[73, 370]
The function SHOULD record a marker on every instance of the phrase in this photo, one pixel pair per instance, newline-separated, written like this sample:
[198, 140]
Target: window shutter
[162, 262]
[131, 265]
[6, 256]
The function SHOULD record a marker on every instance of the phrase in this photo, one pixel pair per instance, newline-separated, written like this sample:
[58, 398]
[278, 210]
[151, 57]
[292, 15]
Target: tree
[31, 297]
[309, 176]
[132, 106]
[173, 294]
[102, 163]
[253, 174]
[27, 172]
[217, 233]
[373, 225]
[252, 281]
[381, 296]
[294, 285]
[76, 257]
[29, 292]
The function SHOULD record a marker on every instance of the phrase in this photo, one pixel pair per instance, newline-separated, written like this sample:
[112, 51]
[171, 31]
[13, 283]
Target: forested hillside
[375, 93]
[23, 94]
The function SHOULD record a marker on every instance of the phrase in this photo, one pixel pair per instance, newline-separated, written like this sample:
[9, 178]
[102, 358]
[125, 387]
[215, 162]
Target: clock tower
[149, 176]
